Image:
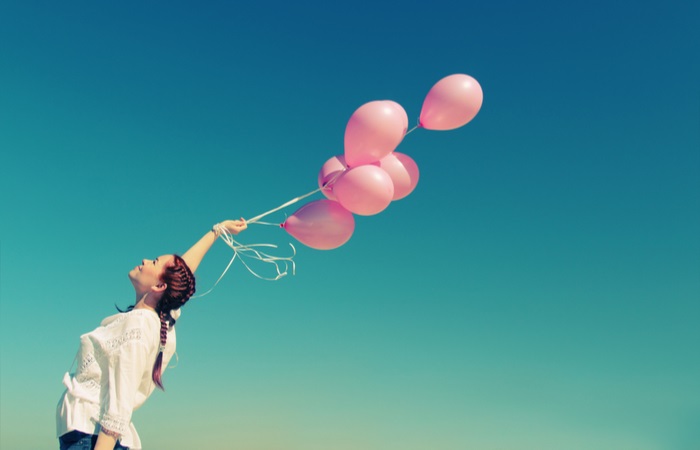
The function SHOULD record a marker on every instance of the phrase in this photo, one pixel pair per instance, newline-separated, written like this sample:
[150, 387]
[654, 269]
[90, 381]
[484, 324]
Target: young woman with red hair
[120, 363]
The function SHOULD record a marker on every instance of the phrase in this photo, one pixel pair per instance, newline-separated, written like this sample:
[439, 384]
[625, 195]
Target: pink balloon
[321, 224]
[364, 190]
[451, 103]
[329, 174]
[403, 172]
[402, 113]
[374, 130]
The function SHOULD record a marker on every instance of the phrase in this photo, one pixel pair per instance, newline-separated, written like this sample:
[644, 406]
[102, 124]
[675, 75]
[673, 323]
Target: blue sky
[538, 290]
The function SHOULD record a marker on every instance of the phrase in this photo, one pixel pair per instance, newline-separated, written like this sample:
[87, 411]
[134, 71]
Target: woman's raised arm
[196, 253]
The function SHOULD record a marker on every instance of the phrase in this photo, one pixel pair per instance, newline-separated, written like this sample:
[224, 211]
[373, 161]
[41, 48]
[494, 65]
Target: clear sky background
[540, 289]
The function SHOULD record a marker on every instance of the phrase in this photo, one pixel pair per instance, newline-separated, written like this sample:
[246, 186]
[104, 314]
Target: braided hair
[180, 287]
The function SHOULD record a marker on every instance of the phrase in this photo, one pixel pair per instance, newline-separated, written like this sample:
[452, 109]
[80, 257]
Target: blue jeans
[76, 440]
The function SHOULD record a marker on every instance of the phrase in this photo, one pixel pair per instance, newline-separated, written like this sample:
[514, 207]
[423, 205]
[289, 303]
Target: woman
[120, 363]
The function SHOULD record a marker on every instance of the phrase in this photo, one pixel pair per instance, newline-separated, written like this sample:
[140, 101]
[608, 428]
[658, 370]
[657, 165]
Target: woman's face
[148, 274]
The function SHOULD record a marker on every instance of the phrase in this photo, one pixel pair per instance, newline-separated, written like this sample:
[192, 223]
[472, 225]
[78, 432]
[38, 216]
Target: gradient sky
[540, 289]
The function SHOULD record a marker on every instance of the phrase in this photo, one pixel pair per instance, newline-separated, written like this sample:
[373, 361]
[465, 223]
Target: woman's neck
[146, 301]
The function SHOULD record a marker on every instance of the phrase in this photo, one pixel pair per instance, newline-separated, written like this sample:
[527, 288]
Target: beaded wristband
[114, 434]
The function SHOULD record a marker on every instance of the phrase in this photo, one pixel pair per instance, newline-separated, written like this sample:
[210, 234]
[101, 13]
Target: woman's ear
[160, 287]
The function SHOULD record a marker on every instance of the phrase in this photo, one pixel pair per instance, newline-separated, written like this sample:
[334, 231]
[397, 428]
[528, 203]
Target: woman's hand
[234, 226]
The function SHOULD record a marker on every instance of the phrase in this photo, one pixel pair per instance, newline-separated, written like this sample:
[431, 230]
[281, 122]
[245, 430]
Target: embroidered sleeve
[128, 363]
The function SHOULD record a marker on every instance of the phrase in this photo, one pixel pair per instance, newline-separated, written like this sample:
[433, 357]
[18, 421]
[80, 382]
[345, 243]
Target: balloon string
[240, 251]
[267, 223]
[290, 202]
[409, 131]
[294, 200]
[235, 254]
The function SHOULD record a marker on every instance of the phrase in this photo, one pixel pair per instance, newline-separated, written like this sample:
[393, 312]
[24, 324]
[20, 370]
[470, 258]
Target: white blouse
[113, 375]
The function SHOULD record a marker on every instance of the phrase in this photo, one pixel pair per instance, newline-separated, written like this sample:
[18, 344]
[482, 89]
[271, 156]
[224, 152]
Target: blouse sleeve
[128, 364]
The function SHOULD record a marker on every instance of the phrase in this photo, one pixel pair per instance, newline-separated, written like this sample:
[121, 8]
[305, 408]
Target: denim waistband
[77, 440]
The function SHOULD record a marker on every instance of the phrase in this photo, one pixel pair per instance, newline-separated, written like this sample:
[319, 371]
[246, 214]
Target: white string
[294, 200]
[177, 361]
[290, 202]
[267, 223]
[250, 251]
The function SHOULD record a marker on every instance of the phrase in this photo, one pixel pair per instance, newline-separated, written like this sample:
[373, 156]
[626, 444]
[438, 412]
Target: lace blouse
[113, 375]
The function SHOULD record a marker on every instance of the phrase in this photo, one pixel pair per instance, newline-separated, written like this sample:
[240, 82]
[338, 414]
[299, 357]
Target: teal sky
[540, 289]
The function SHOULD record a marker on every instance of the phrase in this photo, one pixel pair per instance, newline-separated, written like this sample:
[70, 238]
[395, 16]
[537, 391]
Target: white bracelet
[218, 229]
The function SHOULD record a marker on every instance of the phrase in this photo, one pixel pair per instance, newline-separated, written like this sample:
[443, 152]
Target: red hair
[180, 287]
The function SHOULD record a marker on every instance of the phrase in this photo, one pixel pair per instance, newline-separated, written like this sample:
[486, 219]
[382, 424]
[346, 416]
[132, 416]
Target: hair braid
[180, 287]
[163, 330]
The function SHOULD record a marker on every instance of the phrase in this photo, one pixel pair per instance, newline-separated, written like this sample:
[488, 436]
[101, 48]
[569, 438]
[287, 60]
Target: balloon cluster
[371, 174]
